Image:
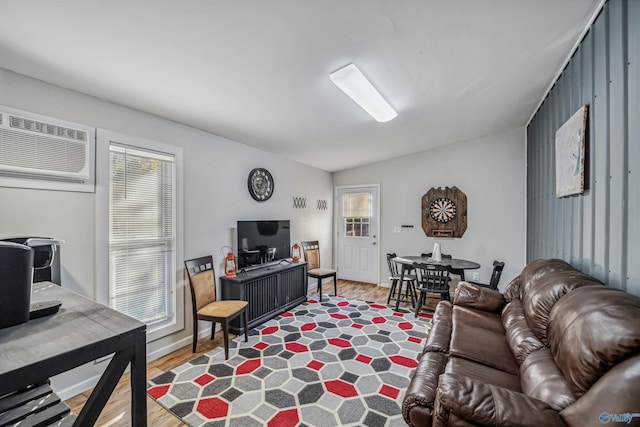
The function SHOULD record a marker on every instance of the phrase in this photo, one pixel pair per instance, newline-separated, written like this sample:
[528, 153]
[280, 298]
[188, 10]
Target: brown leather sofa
[558, 348]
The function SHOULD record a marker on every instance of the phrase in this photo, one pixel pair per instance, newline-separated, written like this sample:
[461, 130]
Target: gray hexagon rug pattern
[335, 363]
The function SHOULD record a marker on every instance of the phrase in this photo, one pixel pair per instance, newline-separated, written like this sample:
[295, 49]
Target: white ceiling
[256, 71]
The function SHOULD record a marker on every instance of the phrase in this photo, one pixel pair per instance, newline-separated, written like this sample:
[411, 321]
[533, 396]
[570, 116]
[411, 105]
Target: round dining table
[406, 263]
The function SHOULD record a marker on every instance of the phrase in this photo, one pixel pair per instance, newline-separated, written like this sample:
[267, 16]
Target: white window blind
[356, 205]
[142, 237]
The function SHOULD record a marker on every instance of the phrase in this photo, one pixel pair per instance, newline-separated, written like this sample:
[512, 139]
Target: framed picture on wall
[570, 154]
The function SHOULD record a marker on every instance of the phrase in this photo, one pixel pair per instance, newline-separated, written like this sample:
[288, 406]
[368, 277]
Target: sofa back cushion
[521, 339]
[592, 329]
[538, 301]
[536, 270]
[540, 378]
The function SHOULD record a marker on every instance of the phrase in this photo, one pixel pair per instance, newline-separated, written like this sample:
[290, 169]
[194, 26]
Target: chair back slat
[393, 266]
[432, 276]
[202, 280]
[495, 275]
[311, 252]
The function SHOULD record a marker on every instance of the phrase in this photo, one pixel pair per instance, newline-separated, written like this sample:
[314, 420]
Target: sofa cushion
[470, 295]
[590, 330]
[440, 334]
[521, 339]
[486, 374]
[539, 300]
[483, 346]
[541, 378]
[536, 270]
[477, 318]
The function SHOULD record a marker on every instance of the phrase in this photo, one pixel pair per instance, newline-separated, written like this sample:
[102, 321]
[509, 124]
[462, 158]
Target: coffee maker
[19, 258]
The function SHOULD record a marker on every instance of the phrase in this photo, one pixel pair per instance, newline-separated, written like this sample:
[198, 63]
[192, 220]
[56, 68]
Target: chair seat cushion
[222, 308]
[321, 272]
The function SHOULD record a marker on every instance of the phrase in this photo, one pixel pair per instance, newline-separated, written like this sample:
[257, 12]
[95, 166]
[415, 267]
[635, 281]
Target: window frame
[174, 323]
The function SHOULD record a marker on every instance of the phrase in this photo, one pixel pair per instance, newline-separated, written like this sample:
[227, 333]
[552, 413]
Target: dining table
[406, 264]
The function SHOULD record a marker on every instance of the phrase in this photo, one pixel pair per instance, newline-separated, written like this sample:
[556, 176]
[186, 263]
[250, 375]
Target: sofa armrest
[417, 404]
[469, 295]
[484, 404]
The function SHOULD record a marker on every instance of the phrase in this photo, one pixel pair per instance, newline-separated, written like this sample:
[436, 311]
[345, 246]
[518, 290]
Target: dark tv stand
[270, 291]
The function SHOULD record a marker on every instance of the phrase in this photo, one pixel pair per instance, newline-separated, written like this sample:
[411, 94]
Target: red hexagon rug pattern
[337, 362]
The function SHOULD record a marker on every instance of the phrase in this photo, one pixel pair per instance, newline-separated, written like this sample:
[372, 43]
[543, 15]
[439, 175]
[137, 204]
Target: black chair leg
[213, 329]
[246, 325]
[420, 302]
[335, 285]
[319, 289]
[195, 335]
[225, 328]
[392, 291]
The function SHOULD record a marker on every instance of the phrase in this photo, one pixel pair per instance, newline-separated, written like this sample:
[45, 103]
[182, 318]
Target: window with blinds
[142, 235]
[357, 210]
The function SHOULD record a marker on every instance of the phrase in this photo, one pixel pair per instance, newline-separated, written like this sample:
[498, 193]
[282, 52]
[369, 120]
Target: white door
[357, 220]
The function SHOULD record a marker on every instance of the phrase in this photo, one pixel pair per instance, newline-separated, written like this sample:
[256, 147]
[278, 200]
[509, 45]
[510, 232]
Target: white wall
[489, 170]
[215, 194]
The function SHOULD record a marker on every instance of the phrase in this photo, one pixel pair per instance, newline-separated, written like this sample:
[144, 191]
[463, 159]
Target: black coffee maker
[18, 259]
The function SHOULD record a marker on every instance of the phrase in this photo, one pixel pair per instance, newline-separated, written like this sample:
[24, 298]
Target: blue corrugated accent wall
[598, 231]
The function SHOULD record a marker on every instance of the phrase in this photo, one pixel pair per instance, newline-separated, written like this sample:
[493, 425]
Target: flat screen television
[262, 242]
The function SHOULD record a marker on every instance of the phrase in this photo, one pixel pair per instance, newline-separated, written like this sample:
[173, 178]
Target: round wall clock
[443, 209]
[260, 184]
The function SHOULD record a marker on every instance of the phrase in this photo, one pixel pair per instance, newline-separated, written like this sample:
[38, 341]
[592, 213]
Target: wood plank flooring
[117, 410]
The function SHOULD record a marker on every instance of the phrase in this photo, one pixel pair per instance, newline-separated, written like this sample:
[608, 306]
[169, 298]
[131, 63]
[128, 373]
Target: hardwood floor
[116, 412]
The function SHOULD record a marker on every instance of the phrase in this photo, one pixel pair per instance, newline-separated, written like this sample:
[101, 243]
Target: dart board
[444, 212]
[442, 209]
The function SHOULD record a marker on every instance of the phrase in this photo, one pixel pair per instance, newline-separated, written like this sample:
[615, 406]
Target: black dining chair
[495, 277]
[408, 279]
[431, 278]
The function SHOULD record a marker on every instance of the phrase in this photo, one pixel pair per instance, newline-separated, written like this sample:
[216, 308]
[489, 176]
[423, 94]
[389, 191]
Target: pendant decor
[444, 212]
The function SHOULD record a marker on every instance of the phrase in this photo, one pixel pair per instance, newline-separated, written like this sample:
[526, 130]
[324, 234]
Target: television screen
[261, 242]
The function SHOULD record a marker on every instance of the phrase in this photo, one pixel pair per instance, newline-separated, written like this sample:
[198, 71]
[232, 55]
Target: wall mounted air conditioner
[36, 149]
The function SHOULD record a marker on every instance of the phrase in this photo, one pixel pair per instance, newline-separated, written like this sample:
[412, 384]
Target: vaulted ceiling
[256, 71]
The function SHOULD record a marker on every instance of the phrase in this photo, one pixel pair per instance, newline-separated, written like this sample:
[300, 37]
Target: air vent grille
[50, 155]
[46, 128]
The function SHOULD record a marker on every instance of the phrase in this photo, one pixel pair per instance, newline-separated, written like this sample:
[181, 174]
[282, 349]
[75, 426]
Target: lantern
[295, 252]
[230, 265]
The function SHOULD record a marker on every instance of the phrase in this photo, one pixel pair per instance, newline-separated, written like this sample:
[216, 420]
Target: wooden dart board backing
[444, 212]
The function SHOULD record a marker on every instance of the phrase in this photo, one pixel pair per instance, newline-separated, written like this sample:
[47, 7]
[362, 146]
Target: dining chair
[394, 276]
[203, 299]
[495, 277]
[457, 271]
[431, 278]
[311, 250]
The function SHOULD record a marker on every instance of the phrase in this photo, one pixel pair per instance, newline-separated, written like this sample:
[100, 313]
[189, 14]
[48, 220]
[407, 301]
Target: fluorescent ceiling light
[352, 82]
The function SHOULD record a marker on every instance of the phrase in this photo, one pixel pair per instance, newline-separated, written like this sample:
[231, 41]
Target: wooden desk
[80, 332]
[406, 261]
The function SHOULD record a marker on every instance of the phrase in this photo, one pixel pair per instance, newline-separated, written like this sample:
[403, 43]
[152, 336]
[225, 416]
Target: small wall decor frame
[321, 205]
[444, 212]
[570, 154]
[299, 202]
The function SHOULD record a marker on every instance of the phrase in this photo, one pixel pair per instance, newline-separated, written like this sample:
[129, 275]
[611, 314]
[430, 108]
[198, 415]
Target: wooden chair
[495, 276]
[432, 278]
[311, 252]
[394, 276]
[205, 307]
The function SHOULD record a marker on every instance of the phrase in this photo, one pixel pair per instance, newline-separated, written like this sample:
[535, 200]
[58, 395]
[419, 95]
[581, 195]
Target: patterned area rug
[336, 363]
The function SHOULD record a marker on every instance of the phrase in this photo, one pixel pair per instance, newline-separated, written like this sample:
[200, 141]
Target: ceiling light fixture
[352, 82]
